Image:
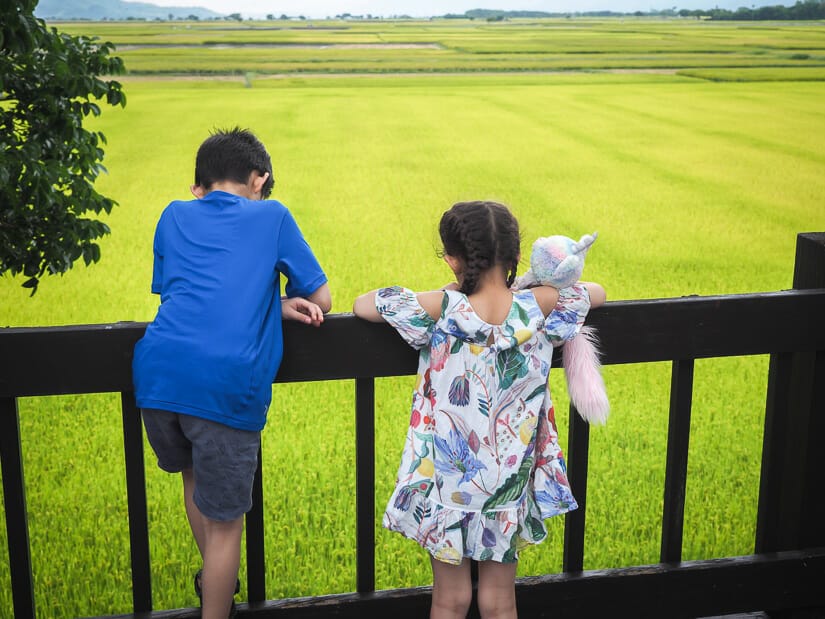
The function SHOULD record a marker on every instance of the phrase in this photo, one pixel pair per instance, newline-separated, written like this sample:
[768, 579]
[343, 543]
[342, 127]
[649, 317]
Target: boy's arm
[322, 298]
[302, 310]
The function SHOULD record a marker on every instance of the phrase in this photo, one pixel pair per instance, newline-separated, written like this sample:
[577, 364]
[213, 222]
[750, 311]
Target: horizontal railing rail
[785, 572]
[97, 358]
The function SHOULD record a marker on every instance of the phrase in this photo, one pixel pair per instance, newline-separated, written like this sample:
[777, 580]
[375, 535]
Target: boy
[203, 370]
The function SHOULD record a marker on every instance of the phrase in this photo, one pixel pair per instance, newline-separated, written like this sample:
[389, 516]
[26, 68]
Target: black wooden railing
[784, 577]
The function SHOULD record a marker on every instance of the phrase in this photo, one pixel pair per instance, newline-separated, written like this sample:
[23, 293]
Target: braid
[508, 242]
[477, 253]
[482, 234]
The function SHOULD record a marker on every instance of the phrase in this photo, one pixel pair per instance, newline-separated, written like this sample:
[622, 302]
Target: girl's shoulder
[546, 297]
[432, 302]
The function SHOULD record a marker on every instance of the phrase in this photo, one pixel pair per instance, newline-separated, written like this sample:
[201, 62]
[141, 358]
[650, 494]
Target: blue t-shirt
[216, 343]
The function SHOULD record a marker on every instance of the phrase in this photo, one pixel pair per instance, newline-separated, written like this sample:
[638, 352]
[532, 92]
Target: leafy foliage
[48, 162]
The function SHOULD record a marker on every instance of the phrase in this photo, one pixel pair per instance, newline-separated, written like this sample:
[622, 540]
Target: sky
[425, 8]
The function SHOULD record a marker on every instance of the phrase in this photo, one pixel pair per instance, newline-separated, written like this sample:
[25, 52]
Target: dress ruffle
[450, 534]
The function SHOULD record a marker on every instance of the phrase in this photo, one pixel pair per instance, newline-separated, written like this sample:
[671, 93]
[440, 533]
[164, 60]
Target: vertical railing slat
[774, 444]
[578, 448]
[136, 501]
[791, 502]
[255, 551]
[365, 483]
[678, 442]
[14, 500]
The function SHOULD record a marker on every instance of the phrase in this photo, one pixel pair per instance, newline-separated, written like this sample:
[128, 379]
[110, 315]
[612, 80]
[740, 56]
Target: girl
[481, 467]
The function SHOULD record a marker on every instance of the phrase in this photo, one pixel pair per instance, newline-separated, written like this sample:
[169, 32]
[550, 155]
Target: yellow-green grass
[695, 187]
[455, 45]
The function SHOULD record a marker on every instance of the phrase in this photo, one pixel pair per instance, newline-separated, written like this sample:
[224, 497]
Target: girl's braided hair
[482, 234]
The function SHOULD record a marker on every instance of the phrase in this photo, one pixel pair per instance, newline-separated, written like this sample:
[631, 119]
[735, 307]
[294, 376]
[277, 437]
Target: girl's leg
[452, 590]
[497, 590]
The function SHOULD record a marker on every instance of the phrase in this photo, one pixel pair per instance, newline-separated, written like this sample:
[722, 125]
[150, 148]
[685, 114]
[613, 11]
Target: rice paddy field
[696, 150]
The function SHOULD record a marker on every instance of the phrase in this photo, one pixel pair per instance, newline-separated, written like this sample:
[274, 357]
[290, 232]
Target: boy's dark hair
[232, 155]
[482, 234]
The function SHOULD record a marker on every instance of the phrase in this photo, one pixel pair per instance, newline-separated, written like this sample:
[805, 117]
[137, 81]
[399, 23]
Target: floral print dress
[481, 467]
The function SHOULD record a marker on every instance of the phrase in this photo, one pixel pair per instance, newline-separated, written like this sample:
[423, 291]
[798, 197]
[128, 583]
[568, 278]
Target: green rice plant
[417, 46]
[695, 187]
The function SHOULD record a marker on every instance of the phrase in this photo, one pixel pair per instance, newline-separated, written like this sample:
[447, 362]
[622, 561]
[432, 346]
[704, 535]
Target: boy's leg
[497, 590]
[192, 512]
[452, 590]
[221, 560]
[224, 461]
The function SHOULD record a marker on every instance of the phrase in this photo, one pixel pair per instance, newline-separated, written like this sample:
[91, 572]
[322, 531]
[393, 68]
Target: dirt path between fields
[218, 77]
[127, 47]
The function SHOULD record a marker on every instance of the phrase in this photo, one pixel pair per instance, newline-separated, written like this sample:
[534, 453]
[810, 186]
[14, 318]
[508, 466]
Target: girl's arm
[548, 296]
[597, 294]
[364, 305]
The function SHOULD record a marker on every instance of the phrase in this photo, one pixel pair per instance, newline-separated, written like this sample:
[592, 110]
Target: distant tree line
[807, 9]
[802, 10]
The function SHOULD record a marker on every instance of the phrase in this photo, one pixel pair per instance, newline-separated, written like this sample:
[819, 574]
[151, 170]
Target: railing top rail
[97, 358]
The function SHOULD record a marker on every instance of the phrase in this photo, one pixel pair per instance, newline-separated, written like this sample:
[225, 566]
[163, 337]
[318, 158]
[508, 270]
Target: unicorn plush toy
[558, 261]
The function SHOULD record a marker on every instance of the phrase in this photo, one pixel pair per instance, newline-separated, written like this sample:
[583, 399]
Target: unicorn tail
[582, 368]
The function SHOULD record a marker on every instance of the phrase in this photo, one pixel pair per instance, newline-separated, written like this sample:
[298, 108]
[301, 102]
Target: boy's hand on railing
[298, 308]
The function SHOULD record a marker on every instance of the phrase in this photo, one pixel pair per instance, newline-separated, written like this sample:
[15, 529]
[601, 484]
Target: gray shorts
[223, 459]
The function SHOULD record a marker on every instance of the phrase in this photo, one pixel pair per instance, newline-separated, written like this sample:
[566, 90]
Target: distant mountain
[115, 9]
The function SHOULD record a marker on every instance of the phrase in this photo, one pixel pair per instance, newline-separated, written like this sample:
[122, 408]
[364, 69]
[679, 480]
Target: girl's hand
[298, 308]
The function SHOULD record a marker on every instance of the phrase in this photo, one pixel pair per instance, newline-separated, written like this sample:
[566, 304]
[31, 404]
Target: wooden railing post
[578, 450]
[14, 499]
[255, 550]
[365, 484]
[136, 503]
[676, 467]
[791, 500]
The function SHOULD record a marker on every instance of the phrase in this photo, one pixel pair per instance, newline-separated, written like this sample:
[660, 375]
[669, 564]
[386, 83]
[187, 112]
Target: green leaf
[512, 487]
[535, 393]
[522, 314]
[415, 464]
[535, 528]
[510, 365]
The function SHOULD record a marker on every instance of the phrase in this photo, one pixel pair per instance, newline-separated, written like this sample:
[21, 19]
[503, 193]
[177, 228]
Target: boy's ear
[258, 181]
[197, 191]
